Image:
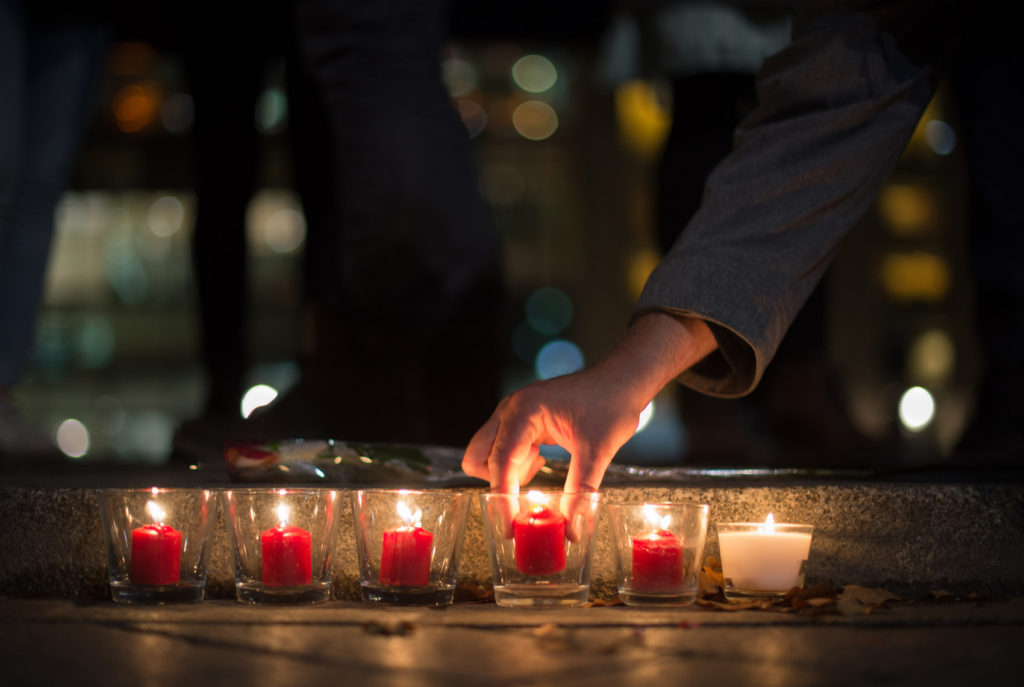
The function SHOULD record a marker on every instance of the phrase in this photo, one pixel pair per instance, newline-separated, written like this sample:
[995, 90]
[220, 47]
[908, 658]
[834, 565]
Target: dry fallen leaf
[857, 600]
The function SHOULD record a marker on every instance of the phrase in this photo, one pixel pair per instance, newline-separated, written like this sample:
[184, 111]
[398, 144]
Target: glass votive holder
[283, 541]
[157, 543]
[762, 559]
[541, 544]
[408, 543]
[659, 548]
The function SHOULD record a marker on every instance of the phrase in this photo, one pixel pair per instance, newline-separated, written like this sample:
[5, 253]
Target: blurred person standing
[51, 53]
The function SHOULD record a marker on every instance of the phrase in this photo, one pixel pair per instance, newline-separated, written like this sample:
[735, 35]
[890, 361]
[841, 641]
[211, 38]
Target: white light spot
[534, 73]
[72, 438]
[940, 136]
[257, 397]
[285, 230]
[646, 415]
[165, 216]
[916, 408]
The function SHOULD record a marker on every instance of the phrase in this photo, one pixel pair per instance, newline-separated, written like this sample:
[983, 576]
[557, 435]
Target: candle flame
[410, 518]
[657, 520]
[769, 524]
[282, 513]
[537, 497]
[156, 511]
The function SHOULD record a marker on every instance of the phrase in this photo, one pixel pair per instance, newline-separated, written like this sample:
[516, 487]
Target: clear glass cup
[157, 543]
[541, 544]
[283, 541]
[762, 559]
[660, 549]
[408, 543]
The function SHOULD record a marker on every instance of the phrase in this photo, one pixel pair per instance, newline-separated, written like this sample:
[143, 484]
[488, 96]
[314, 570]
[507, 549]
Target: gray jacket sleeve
[836, 109]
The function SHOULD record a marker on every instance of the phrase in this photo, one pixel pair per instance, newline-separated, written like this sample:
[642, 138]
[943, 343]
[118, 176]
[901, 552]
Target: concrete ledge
[907, 537]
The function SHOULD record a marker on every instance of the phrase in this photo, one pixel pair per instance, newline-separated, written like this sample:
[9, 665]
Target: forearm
[657, 348]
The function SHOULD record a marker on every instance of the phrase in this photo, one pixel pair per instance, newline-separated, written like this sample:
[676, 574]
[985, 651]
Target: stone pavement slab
[46, 642]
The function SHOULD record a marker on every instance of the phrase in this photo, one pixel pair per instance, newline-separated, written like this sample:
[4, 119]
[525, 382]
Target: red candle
[539, 535]
[156, 554]
[405, 557]
[287, 556]
[658, 562]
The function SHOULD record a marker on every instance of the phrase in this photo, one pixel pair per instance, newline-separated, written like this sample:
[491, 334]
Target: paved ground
[59, 642]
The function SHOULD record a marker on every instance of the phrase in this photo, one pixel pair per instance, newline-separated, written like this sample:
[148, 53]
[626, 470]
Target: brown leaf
[941, 594]
[711, 582]
[857, 600]
[744, 605]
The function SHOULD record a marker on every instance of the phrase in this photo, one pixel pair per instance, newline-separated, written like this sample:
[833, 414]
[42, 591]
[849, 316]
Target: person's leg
[412, 336]
[226, 54]
[52, 72]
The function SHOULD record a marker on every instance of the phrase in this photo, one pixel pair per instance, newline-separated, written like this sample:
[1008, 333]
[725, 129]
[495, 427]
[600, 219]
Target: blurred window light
[916, 408]
[916, 276]
[473, 116]
[272, 111]
[557, 358]
[459, 76]
[502, 184]
[108, 414]
[940, 136]
[165, 216]
[646, 415]
[146, 437]
[932, 357]
[135, 106]
[535, 120]
[95, 341]
[907, 209]
[72, 438]
[534, 73]
[257, 397]
[643, 119]
[177, 113]
[126, 273]
[284, 230]
[549, 310]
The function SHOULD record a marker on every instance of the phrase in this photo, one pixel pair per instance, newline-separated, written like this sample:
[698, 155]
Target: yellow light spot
[535, 120]
[916, 276]
[643, 120]
[135, 106]
[908, 210]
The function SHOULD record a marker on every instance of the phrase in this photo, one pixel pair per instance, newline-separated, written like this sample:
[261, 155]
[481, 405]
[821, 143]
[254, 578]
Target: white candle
[763, 557]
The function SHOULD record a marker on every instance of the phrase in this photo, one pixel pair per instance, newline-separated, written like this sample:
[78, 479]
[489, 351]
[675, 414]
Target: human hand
[591, 413]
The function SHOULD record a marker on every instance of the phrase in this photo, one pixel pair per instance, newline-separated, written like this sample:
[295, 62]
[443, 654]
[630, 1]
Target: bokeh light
[908, 209]
[916, 408]
[557, 358]
[932, 357]
[534, 73]
[135, 106]
[284, 230]
[643, 119]
[473, 116]
[549, 310]
[257, 397]
[165, 216]
[72, 438]
[940, 136]
[916, 276]
[272, 111]
[459, 77]
[535, 120]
